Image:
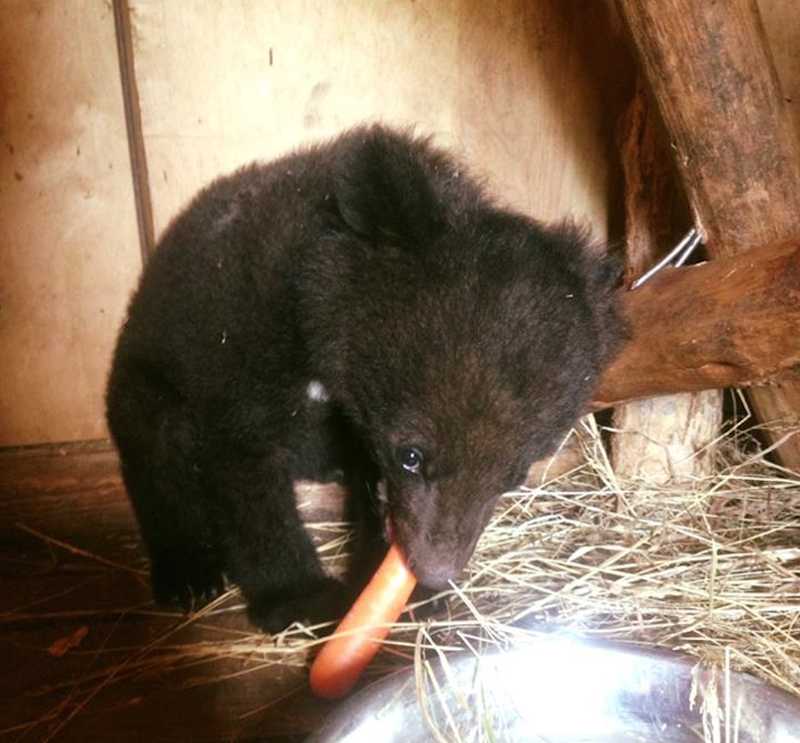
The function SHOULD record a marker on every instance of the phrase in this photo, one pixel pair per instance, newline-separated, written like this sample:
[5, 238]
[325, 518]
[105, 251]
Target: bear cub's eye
[411, 459]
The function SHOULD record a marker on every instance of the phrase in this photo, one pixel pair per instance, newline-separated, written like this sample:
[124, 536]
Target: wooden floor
[84, 654]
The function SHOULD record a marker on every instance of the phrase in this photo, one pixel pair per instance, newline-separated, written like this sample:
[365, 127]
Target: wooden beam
[710, 70]
[731, 322]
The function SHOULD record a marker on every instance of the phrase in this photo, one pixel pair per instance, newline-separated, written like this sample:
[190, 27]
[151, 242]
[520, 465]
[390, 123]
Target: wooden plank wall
[528, 92]
[68, 244]
[520, 88]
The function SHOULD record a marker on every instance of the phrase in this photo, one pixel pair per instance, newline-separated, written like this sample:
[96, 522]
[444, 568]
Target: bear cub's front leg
[270, 555]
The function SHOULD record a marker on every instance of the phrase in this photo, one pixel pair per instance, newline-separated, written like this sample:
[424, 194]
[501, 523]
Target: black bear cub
[362, 307]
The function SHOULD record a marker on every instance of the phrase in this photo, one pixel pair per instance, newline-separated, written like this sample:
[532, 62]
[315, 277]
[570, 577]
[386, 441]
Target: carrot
[344, 657]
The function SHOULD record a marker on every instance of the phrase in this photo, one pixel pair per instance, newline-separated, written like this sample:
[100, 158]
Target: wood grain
[730, 322]
[526, 92]
[710, 69]
[68, 247]
[663, 438]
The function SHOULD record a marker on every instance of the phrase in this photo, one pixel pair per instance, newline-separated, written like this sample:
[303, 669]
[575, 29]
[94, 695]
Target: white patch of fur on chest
[316, 391]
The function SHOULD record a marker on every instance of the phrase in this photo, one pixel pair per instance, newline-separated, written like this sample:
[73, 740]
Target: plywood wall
[528, 92]
[524, 90]
[68, 245]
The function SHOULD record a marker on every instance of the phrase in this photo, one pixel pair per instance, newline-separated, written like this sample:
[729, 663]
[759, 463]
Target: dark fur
[375, 265]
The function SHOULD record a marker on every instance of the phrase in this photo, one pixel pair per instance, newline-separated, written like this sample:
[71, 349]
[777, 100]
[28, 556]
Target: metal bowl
[557, 690]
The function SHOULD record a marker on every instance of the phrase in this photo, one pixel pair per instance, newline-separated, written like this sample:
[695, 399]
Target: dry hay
[708, 568]
[702, 567]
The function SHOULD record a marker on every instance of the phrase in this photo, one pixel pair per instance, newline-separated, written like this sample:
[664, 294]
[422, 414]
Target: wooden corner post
[711, 73]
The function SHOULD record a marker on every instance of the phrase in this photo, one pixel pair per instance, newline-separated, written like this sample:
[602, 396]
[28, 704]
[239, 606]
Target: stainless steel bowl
[557, 690]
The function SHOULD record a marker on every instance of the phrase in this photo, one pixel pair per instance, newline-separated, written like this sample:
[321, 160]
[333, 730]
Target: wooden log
[712, 75]
[731, 322]
[665, 438]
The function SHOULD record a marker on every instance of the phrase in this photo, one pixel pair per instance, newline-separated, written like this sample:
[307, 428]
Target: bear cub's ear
[385, 187]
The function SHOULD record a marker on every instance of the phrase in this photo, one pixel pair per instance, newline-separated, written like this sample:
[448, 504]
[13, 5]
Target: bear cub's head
[463, 339]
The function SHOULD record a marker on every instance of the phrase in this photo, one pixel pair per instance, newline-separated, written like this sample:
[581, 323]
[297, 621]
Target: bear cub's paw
[190, 586]
[324, 601]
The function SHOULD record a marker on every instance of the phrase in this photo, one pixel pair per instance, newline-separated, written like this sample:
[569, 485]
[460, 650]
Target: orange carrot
[344, 657]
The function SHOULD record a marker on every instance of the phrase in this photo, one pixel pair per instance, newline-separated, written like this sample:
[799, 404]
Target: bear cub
[359, 307]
